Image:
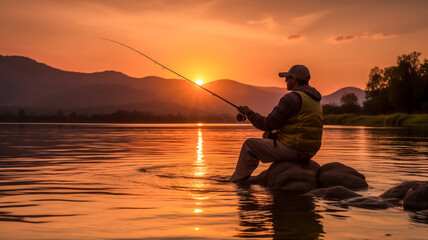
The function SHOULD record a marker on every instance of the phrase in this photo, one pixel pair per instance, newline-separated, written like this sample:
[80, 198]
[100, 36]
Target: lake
[169, 181]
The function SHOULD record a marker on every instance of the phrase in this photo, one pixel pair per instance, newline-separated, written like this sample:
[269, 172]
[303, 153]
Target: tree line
[402, 88]
[119, 116]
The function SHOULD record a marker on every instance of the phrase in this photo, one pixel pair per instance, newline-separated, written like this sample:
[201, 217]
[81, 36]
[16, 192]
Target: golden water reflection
[199, 171]
[199, 164]
[105, 181]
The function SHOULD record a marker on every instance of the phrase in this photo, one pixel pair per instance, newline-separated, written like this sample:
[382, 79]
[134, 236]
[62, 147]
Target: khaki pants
[261, 149]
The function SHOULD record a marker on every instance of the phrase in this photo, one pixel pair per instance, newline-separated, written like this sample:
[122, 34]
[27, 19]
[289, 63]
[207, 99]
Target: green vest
[303, 132]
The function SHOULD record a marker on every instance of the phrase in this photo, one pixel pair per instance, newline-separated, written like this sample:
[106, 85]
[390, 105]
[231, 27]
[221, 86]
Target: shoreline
[389, 120]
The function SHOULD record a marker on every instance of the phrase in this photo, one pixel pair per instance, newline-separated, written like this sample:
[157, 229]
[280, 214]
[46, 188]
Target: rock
[417, 197]
[367, 202]
[394, 201]
[400, 190]
[319, 192]
[333, 193]
[338, 174]
[289, 176]
[420, 216]
[340, 193]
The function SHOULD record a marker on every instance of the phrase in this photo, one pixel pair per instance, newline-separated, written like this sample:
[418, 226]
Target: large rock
[367, 202]
[417, 197]
[290, 176]
[400, 190]
[333, 193]
[338, 174]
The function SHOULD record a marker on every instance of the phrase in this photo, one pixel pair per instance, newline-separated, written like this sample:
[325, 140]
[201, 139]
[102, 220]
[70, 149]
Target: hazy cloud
[365, 35]
[295, 36]
[308, 19]
[383, 35]
[342, 38]
[292, 38]
[268, 22]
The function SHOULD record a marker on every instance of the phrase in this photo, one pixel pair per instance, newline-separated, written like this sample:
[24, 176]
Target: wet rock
[420, 216]
[289, 176]
[400, 190]
[394, 201]
[333, 193]
[417, 197]
[319, 192]
[338, 174]
[367, 202]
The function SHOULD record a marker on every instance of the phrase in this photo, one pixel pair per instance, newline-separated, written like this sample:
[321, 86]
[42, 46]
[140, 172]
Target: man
[299, 119]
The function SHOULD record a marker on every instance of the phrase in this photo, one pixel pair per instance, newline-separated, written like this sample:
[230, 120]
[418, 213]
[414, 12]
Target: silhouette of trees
[331, 109]
[119, 116]
[349, 99]
[21, 113]
[400, 88]
[349, 105]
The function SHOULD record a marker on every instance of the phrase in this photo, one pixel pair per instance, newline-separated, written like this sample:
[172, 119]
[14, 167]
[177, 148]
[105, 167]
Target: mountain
[39, 88]
[334, 98]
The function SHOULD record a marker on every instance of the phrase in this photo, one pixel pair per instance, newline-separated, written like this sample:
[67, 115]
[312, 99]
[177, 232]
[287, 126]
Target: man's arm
[289, 105]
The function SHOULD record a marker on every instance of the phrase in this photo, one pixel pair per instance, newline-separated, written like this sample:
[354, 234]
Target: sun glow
[199, 82]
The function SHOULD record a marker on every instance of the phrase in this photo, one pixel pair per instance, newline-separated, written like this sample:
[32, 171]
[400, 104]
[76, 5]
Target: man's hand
[244, 109]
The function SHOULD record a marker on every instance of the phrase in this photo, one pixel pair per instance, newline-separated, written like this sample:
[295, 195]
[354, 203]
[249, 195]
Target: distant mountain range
[39, 88]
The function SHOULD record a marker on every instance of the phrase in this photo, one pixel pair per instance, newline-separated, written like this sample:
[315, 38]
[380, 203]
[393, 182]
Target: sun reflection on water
[198, 210]
[199, 171]
[199, 165]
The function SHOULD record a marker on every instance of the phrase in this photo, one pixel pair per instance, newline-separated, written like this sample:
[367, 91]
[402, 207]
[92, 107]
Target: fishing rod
[240, 116]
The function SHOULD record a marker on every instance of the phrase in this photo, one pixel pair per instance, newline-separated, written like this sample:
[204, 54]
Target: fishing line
[240, 117]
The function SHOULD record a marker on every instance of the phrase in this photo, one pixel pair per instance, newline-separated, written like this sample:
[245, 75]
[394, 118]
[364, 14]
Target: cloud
[292, 38]
[342, 38]
[383, 35]
[295, 36]
[268, 22]
[366, 35]
[308, 19]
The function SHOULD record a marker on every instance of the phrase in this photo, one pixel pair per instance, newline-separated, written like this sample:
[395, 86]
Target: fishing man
[298, 120]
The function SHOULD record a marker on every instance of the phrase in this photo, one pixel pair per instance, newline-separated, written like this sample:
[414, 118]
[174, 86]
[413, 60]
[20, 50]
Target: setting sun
[199, 82]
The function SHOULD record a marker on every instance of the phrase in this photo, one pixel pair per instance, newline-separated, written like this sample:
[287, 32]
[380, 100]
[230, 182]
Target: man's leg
[260, 149]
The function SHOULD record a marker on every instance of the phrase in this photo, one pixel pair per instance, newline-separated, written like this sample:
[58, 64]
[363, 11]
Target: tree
[423, 89]
[73, 116]
[349, 99]
[404, 80]
[350, 103]
[60, 116]
[331, 109]
[376, 82]
[21, 114]
[400, 88]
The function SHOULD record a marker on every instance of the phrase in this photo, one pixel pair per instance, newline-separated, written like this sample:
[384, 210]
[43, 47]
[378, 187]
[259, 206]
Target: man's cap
[297, 71]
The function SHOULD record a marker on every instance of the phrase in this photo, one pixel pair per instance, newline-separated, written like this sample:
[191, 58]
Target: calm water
[137, 181]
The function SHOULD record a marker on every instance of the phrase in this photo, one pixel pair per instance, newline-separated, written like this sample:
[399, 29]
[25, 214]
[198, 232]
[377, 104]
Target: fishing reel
[241, 117]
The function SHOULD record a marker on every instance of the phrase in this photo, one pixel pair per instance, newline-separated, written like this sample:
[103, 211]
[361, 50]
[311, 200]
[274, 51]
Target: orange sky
[247, 41]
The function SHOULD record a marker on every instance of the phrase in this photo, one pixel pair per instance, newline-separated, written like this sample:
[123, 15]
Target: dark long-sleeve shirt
[289, 106]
